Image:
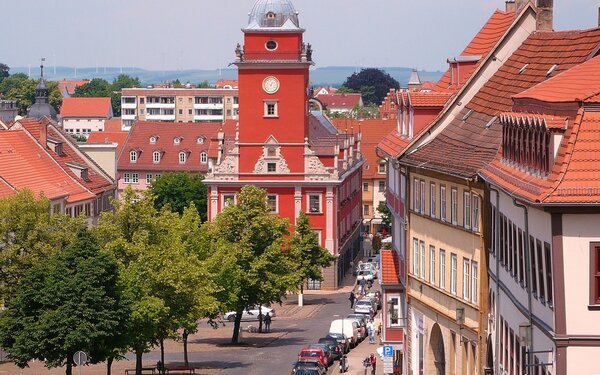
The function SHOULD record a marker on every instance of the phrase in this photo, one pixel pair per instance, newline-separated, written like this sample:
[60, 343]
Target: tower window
[271, 167]
[271, 45]
[270, 16]
[271, 109]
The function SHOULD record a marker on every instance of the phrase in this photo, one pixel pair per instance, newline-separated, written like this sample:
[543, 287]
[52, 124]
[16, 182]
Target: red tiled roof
[481, 44]
[390, 267]
[428, 99]
[427, 85]
[112, 125]
[5, 188]
[85, 107]
[473, 137]
[393, 143]
[139, 139]
[25, 164]
[226, 82]
[373, 131]
[118, 137]
[347, 101]
[577, 84]
[67, 88]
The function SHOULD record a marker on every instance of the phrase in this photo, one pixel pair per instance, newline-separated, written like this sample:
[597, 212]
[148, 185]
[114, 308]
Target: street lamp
[460, 320]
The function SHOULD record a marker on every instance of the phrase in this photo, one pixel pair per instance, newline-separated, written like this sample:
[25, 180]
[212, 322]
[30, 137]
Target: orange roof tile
[226, 82]
[25, 164]
[5, 188]
[67, 88]
[576, 84]
[347, 101]
[86, 107]
[165, 133]
[393, 143]
[373, 131]
[428, 99]
[390, 267]
[481, 45]
[112, 125]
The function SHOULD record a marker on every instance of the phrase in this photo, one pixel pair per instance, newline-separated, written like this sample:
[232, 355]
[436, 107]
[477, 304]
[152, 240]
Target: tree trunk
[260, 319]
[109, 362]
[69, 364]
[162, 354]
[236, 327]
[185, 348]
[139, 352]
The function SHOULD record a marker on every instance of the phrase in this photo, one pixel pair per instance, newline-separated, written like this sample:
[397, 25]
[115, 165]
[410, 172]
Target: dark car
[333, 345]
[342, 341]
[309, 364]
[330, 357]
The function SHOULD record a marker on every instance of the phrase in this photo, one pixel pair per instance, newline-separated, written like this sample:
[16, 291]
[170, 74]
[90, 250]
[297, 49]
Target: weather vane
[42, 65]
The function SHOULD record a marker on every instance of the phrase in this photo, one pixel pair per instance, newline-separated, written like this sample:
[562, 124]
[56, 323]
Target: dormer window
[79, 170]
[182, 157]
[153, 139]
[203, 158]
[176, 140]
[56, 145]
[133, 156]
[156, 157]
[200, 140]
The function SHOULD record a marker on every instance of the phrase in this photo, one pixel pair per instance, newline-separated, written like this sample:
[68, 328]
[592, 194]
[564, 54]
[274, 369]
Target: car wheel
[231, 318]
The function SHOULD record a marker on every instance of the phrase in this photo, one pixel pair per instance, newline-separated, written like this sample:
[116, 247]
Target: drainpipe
[529, 280]
[496, 250]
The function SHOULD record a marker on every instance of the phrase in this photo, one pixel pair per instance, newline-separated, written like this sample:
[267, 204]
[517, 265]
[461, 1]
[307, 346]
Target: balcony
[208, 106]
[208, 118]
[160, 105]
[128, 117]
[160, 117]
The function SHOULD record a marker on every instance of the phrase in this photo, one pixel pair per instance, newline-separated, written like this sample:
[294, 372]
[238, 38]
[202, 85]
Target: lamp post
[460, 319]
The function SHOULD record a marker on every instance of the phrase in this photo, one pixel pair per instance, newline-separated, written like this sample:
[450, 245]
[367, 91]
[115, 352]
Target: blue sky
[202, 34]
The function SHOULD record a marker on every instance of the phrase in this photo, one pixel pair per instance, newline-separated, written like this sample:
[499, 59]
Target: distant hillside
[334, 75]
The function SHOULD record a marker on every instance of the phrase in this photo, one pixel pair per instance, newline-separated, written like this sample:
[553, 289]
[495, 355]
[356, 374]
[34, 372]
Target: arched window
[156, 157]
[203, 158]
[182, 157]
[133, 156]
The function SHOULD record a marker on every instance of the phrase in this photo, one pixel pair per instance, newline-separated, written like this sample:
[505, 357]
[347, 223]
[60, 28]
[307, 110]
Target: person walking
[371, 329]
[373, 362]
[268, 323]
[367, 364]
[352, 298]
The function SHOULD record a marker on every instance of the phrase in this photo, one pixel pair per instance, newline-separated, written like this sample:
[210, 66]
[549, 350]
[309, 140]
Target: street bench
[179, 370]
[145, 370]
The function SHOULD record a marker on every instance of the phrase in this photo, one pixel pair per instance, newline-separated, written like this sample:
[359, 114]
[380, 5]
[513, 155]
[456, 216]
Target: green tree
[373, 84]
[29, 234]
[204, 85]
[97, 87]
[249, 263]
[71, 302]
[122, 81]
[386, 216]
[178, 190]
[308, 254]
[161, 266]
[20, 88]
[4, 69]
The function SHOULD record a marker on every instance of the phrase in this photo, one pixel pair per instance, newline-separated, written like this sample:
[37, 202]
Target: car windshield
[309, 354]
[363, 302]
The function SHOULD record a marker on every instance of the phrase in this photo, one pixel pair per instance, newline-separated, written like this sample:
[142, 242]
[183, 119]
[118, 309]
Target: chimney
[598, 16]
[510, 6]
[545, 15]
[44, 134]
[520, 4]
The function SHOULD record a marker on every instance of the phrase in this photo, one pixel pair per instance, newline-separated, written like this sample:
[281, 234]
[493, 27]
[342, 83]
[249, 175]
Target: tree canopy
[22, 89]
[4, 69]
[249, 264]
[386, 216]
[373, 84]
[71, 302]
[99, 87]
[178, 190]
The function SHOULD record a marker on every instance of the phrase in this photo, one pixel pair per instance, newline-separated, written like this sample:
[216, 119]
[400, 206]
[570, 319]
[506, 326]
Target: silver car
[364, 306]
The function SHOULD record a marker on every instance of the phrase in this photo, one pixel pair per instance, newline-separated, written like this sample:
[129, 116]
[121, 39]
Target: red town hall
[294, 153]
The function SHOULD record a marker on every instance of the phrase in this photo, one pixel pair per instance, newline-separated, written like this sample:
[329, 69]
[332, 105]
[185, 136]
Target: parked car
[250, 313]
[335, 347]
[361, 317]
[342, 341]
[346, 327]
[366, 266]
[367, 275]
[308, 372]
[313, 353]
[329, 356]
[309, 364]
[376, 296]
[362, 330]
[364, 306]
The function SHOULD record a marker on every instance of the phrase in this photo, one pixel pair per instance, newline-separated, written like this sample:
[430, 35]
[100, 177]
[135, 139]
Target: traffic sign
[388, 365]
[388, 351]
[80, 358]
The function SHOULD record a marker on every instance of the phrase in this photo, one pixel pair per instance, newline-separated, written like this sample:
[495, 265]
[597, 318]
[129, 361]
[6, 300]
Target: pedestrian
[373, 362]
[268, 323]
[366, 364]
[352, 298]
[371, 329]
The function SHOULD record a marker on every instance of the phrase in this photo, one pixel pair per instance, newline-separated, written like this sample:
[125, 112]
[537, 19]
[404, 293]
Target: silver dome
[272, 13]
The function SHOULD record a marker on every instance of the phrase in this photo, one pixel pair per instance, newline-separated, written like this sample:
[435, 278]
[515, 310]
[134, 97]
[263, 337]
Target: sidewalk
[358, 354]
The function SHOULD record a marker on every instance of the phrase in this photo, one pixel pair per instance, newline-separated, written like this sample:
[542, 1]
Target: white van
[347, 327]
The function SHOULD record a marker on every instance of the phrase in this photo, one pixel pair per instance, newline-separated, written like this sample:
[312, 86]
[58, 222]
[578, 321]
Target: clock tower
[296, 155]
[273, 70]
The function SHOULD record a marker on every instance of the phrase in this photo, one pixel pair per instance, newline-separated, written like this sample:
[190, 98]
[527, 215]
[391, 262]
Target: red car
[313, 353]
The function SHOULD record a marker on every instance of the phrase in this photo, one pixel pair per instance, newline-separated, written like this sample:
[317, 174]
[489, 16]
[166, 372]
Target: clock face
[270, 85]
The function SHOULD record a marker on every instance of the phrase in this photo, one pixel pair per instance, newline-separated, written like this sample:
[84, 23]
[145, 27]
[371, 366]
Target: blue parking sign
[388, 351]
